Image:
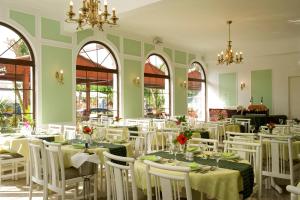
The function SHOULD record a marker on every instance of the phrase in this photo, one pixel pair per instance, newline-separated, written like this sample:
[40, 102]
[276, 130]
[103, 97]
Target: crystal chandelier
[229, 57]
[91, 14]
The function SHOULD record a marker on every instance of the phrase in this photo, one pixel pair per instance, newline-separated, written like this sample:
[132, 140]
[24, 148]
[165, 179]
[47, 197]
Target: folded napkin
[78, 146]
[153, 158]
[191, 149]
[78, 159]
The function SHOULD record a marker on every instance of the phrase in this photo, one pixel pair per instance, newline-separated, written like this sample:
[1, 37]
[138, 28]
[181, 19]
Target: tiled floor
[17, 190]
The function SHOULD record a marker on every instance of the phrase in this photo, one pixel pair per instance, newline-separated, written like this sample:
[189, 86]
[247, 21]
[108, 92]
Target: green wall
[180, 92]
[51, 31]
[56, 98]
[132, 93]
[26, 20]
[180, 57]
[115, 40]
[228, 89]
[261, 86]
[132, 47]
[81, 35]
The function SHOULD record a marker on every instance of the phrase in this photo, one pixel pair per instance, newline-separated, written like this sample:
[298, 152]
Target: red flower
[182, 139]
[178, 122]
[87, 130]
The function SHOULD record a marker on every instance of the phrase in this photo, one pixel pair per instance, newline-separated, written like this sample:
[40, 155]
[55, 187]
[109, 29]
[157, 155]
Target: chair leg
[95, 186]
[30, 189]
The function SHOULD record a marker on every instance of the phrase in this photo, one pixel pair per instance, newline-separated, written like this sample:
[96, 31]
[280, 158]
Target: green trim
[228, 89]
[81, 35]
[51, 31]
[132, 47]
[180, 92]
[26, 20]
[180, 57]
[169, 52]
[148, 48]
[57, 98]
[261, 86]
[115, 40]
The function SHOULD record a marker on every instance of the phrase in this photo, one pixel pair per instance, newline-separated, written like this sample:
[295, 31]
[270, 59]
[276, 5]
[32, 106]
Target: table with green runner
[225, 183]
[124, 149]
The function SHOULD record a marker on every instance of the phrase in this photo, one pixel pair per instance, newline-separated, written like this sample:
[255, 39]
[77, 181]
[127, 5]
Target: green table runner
[245, 170]
[116, 149]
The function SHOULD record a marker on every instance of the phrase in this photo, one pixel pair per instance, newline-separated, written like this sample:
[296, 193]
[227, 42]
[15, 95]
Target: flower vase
[270, 130]
[88, 139]
[184, 148]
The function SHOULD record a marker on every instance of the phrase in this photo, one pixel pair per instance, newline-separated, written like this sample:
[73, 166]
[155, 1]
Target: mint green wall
[169, 52]
[180, 92]
[115, 40]
[51, 31]
[228, 89]
[132, 93]
[81, 35]
[148, 48]
[56, 98]
[191, 57]
[132, 47]
[180, 57]
[261, 86]
[26, 20]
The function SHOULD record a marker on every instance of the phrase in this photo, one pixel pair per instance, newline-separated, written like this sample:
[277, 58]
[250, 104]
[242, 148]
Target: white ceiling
[260, 27]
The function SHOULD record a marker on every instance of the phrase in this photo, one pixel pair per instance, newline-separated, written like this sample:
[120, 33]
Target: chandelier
[91, 14]
[229, 57]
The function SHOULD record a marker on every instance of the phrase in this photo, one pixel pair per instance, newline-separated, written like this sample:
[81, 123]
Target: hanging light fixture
[229, 57]
[91, 14]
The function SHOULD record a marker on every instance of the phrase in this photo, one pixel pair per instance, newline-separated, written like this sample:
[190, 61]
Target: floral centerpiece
[88, 131]
[183, 138]
[271, 126]
[180, 119]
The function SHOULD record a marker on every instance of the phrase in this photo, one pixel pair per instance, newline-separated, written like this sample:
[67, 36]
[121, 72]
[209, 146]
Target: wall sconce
[183, 84]
[60, 76]
[243, 85]
[136, 81]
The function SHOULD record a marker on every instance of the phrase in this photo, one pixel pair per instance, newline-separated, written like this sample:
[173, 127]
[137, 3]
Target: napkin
[79, 158]
[191, 149]
[153, 158]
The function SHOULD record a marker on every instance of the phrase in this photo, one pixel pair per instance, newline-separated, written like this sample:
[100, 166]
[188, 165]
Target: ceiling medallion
[229, 57]
[91, 14]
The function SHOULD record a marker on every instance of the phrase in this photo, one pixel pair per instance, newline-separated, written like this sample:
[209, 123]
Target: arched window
[97, 91]
[196, 91]
[156, 87]
[17, 86]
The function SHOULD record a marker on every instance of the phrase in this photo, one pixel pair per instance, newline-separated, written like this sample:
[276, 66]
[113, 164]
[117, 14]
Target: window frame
[97, 69]
[150, 75]
[20, 62]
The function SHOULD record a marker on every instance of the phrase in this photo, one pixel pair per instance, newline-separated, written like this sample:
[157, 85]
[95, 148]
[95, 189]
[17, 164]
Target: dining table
[230, 181]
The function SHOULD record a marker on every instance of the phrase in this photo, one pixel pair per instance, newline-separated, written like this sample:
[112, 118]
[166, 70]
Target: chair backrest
[69, 132]
[54, 129]
[159, 123]
[115, 134]
[55, 170]
[37, 161]
[117, 177]
[206, 144]
[167, 179]
[241, 137]
[249, 151]
[245, 122]
[277, 156]
[167, 137]
[131, 122]
[279, 129]
[143, 142]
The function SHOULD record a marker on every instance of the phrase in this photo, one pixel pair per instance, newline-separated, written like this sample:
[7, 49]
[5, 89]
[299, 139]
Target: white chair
[142, 142]
[244, 122]
[277, 159]
[159, 123]
[113, 134]
[117, 177]
[12, 165]
[249, 151]
[54, 129]
[59, 178]
[240, 137]
[295, 192]
[69, 132]
[37, 165]
[167, 137]
[166, 180]
[208, 144]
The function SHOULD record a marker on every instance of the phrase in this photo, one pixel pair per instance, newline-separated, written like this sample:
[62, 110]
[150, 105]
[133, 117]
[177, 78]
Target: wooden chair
[295, 192]
[277, 159]
[54, 129]
[37, 165]
[117, 177]
[166, 180]
[249, 151]
[208, 144]
[59, 178]
[69, 132]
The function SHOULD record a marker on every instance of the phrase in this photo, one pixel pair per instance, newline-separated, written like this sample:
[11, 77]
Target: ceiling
[260, 27]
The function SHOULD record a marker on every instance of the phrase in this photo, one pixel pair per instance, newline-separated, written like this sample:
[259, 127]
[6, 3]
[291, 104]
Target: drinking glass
[252, 128]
